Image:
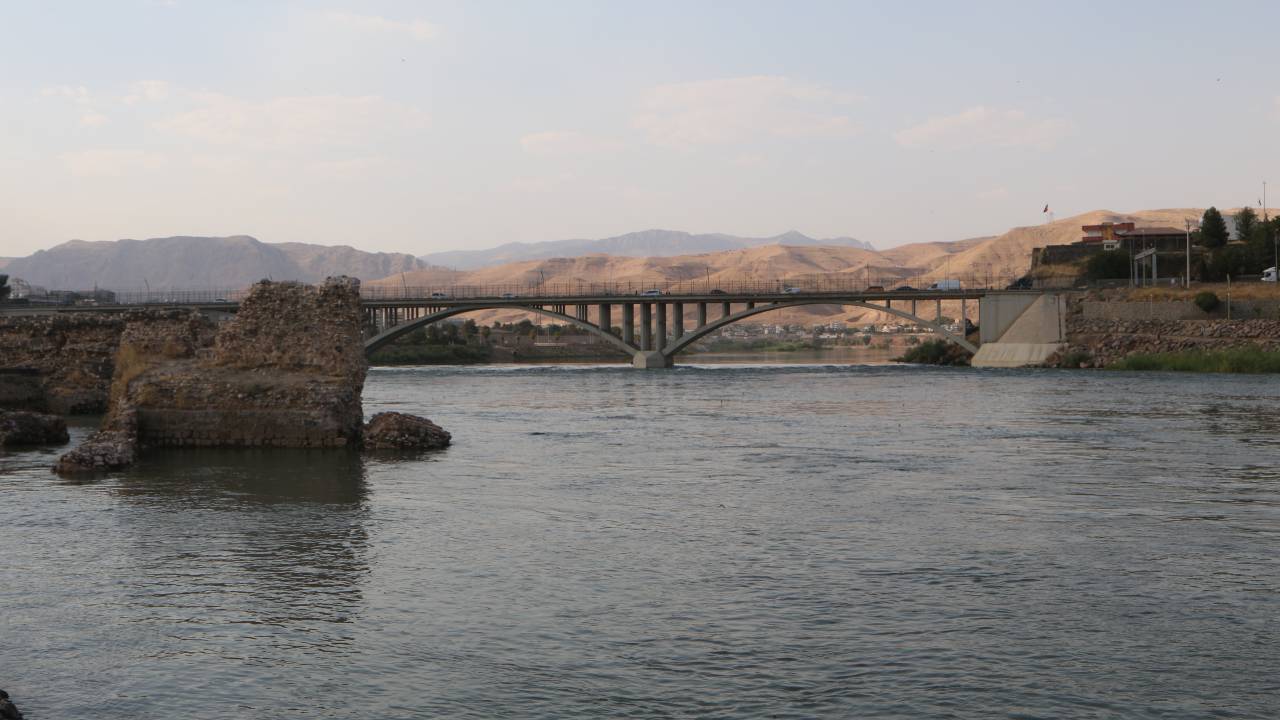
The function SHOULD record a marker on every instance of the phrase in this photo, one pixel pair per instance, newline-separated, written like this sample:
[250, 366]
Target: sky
[426, 126]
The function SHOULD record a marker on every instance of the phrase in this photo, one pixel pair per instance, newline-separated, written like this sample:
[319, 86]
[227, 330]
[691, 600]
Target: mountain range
[198, 262]
[229, 262]
[646, 243]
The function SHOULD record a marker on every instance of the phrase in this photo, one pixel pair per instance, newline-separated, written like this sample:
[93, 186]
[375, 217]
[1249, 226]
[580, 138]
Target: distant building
[1125, 236]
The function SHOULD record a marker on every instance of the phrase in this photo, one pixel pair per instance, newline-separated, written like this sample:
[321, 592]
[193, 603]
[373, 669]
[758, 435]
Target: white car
[651, 293]
[508, 296]
[1269, 275]
[792, 291]
[439, 295]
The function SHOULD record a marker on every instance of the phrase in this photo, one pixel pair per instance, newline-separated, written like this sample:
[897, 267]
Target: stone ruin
[287, 371]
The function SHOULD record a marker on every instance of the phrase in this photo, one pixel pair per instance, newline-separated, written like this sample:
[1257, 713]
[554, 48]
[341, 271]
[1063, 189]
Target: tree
[1108, 265]
[1246, 224]
[1213, 229]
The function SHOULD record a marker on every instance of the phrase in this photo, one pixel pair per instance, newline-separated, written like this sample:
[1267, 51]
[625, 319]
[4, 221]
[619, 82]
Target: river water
[718, 541]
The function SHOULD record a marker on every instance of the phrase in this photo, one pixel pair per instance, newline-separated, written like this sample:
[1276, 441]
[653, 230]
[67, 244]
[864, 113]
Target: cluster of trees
[1253, 251]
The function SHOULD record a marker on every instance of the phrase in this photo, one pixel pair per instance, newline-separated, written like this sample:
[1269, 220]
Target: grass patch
[936, 352]
[1248, 359]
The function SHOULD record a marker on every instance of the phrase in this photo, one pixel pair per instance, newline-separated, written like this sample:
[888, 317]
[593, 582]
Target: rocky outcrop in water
[104, 450]
[30, 428]
[8, 711]
[287, 371]
[399, 431]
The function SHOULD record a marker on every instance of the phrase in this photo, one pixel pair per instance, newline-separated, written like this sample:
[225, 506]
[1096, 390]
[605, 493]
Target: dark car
[904, 288]
[718, 291]
[874, 288]
[1022, 283]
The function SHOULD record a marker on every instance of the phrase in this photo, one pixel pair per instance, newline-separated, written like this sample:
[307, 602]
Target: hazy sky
[422, 126]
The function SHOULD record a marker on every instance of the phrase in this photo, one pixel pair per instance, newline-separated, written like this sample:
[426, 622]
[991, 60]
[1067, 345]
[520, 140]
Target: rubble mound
[400, 431]
[104, 450]
[30, 428]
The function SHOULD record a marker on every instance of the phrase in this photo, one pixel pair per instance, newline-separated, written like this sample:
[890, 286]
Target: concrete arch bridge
[654, 327]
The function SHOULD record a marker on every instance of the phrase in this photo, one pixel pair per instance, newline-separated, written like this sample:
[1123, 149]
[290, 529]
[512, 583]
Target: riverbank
[1166, 329]
[1248, 360]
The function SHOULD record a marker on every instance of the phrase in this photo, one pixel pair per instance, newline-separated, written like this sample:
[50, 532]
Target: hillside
[198, 262]
[647, 243]
[994, 260]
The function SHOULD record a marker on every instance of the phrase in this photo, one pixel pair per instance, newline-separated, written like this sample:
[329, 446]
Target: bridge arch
[697, 334]
[396, 331]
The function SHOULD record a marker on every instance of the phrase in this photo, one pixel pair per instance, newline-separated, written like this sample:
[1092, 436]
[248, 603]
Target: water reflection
[267, 536]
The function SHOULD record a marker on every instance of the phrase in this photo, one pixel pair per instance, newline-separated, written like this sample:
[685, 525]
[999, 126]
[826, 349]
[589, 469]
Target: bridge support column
[651, 360]
[660, 336]
[646, 326]
[677, 320]
[606, 322]
[750, 305]
[702, 314]
[724, 310]
[582, 312]
[629, 323]
[938, 316]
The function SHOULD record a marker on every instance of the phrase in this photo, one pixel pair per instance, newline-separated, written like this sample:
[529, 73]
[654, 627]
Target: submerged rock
[31, 428]
[8, 711]
[401, 431]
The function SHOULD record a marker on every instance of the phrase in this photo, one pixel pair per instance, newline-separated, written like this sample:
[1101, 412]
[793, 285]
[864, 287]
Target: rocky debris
[8, 711]
[30, 428]
[400, 431]
[104, 450]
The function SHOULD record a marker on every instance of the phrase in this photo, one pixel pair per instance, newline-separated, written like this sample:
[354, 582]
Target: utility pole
[1187, 280]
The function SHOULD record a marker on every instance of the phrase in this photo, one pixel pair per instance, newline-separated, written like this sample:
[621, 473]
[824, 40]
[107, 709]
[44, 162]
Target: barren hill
[993, 260]
[197, 262]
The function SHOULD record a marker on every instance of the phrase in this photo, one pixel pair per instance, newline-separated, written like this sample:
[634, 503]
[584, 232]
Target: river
[711, 541]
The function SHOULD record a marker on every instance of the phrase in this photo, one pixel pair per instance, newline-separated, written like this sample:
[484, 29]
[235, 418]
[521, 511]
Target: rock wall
[1176, 310]
[72, 356]
[1100, 341]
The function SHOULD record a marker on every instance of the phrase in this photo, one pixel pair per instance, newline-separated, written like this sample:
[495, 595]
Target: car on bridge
[792, 291]
[945, 285]
[904, 288]
[651, 293]
[874, 288]
[439, 295]
[508, 296]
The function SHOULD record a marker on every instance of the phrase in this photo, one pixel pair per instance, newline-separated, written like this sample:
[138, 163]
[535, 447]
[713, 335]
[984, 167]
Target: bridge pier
[651, 360]
[725, 310]
[629, 323]
[677, 320]
[606, 322]
[646, 326]
[702, 314]
[661, 334]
